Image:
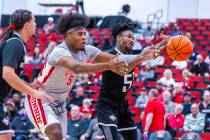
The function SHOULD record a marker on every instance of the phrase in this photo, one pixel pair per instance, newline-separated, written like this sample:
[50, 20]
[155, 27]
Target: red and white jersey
[57, 80]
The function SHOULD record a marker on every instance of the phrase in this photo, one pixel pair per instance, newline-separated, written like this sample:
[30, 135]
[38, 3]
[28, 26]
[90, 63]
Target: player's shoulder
[60, 47]
[90, 47]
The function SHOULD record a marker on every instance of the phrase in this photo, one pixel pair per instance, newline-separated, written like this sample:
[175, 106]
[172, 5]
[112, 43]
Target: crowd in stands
[182, 87]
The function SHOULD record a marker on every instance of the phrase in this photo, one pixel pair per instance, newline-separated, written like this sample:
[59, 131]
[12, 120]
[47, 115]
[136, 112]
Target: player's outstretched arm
[114, 64]
[148, 53]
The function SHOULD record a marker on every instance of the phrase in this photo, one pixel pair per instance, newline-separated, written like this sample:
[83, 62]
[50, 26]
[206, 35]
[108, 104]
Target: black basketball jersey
[115, 86]
[12, 54]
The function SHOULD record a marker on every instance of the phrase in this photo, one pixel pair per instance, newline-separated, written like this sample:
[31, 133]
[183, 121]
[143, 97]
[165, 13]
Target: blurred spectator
[86, 116]
[194, 121]
[16, 97]
[191, 136]
[187, 102]
[179, 64]
[21, 125]
[154, 112]
[86, 109]
[167, 79]
[37, 60]
[146, 74]
[86, 104]
[49, 25]
[175, 31]
[195, 51]
[175, 120]
[1, 33]
[53, 36]
[50, 47]
[80, 4]
[160, 88]
[159, 61]
[10, 109]
[207, 59]
[75, 126]
[93, 132]
[200, 67]
[148, 34]
[77, 98]
[90, 40]
[168, 104]
[142, 100]
[177, 93]
[187, 83]
[160, 135]
[125, 10]
[37, 57]
[204, 107]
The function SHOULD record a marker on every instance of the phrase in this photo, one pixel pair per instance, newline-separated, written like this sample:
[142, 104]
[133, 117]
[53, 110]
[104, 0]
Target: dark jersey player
[12, 51]
[112, 107]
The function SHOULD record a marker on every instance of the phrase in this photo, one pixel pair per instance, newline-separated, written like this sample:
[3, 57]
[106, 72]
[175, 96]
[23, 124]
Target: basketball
[179, 48]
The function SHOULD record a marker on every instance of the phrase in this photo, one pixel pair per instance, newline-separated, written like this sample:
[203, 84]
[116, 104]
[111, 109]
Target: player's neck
[23, 36]
[121, 49]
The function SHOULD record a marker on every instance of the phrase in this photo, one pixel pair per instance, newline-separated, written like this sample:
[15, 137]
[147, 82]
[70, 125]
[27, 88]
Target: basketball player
[66, 61]
[112, 108]
[12, 51]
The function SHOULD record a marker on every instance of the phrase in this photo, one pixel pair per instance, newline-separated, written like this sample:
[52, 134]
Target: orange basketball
[179, 48]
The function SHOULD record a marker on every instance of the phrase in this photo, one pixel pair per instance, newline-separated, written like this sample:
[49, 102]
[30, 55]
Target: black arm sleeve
[13, 53]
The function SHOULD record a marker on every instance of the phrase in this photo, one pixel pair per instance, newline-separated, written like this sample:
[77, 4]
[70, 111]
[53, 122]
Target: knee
[54, 132]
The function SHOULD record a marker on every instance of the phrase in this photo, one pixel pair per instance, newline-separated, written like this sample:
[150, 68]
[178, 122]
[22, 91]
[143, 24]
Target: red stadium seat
[196, 95]
[135, 110]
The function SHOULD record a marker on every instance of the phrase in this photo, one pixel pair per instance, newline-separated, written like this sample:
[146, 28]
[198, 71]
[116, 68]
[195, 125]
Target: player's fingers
[164, 37]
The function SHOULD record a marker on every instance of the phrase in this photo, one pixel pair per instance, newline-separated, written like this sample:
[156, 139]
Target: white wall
[182, 8]
[140, 8]
[204, 9]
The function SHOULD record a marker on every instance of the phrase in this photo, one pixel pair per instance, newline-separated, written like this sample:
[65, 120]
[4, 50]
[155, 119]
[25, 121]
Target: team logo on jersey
[5, 121]
[113, 117]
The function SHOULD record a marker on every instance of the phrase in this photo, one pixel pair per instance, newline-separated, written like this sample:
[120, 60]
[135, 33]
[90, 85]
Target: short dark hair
[120, 27]
[71, 20]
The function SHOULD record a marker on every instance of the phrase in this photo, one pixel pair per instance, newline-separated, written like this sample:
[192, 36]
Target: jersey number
[127, 82]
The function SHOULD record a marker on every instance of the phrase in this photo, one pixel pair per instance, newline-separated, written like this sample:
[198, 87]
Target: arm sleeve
[13, 53]
[150, 108]
[57, 54]
[92, 52]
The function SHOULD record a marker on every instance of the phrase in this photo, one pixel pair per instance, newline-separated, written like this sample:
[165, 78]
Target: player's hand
[119, 66]
[37, 85]
[165, 37]
[149, 53]
[145, 134]
[43, 96]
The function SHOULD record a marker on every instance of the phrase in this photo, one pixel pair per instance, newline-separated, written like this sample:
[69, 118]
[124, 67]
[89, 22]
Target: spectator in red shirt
[177, 93]
[175, 121]
[187, 82]
[153, 119]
